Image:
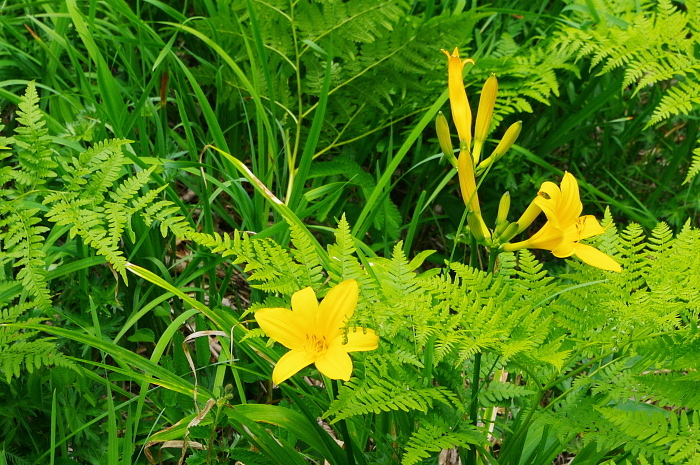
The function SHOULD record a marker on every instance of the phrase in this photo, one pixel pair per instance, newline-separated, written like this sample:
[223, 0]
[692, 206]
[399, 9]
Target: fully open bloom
[315, 333]
[564, 227]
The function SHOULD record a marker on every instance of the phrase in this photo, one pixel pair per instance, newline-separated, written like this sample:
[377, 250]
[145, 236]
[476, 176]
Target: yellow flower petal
[529, 215]
[549, 191]
[595, 257]
[290, 364]
[283, 326]
[571, 200]
[564, 249]
[305, 307]
[358, 340]
[548, 199]
[336, 308]
[335, 363]
[547, 238]
[589, 227]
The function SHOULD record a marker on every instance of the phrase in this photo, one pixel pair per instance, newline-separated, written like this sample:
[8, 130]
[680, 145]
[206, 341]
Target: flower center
[580, 227]
[316, 344]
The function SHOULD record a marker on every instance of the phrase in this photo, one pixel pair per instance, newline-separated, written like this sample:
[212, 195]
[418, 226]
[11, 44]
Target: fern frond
[271, 265]
[343, 262]
[132, 186]
[23, 240]
[34, 153]
[375, 393]
[305, 253]
[671, 389]
[30, 355]
[694, 167]
[679, 100]
[658, 46]
[496, 392]
[434, 438]
[20, 349]
[649, 430]
[104, 160]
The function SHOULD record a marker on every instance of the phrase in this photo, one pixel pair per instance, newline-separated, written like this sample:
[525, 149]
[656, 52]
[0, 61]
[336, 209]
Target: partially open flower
[564, 228]
[461, 112]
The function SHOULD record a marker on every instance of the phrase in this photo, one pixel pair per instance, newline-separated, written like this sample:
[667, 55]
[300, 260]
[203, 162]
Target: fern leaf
[694, 167]
[305, 253]
[23, 242]
[34, 153]
[104, 160]
[343, 263]
[497, 392]
[434, 438]
[382, 395]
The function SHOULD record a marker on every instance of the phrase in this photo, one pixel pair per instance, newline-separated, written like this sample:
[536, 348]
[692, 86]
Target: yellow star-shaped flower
[316, 333]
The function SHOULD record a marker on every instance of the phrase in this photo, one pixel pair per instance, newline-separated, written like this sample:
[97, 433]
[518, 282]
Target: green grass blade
[114, 105]
[295, 196]
[364, 220]
[155, 373]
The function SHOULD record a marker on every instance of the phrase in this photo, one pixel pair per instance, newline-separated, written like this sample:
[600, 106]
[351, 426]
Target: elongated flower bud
[509, 232]
[467, 182]
[503, 208]
[443, 132]
[503, 146]
[478, 228]
[484, 115]
[461, 112]
[508, 140]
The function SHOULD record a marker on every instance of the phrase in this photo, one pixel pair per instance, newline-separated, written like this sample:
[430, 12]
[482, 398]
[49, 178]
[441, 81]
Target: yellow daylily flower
[565, 228]
[461, 112]
[316, 333]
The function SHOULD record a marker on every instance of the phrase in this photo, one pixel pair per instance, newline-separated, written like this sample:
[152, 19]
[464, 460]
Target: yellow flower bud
[484, 115]
[443, 132]
[503, 146]
[508, 233]
[478, 228]
[467, 182]
[461, 112]
[503, 208]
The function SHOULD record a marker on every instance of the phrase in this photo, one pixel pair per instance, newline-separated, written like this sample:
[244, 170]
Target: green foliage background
[169, 168]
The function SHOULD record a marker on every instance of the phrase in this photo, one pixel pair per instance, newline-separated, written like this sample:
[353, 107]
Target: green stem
[343, 426]
[493, 256]
[473, 253]
[474, 404]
